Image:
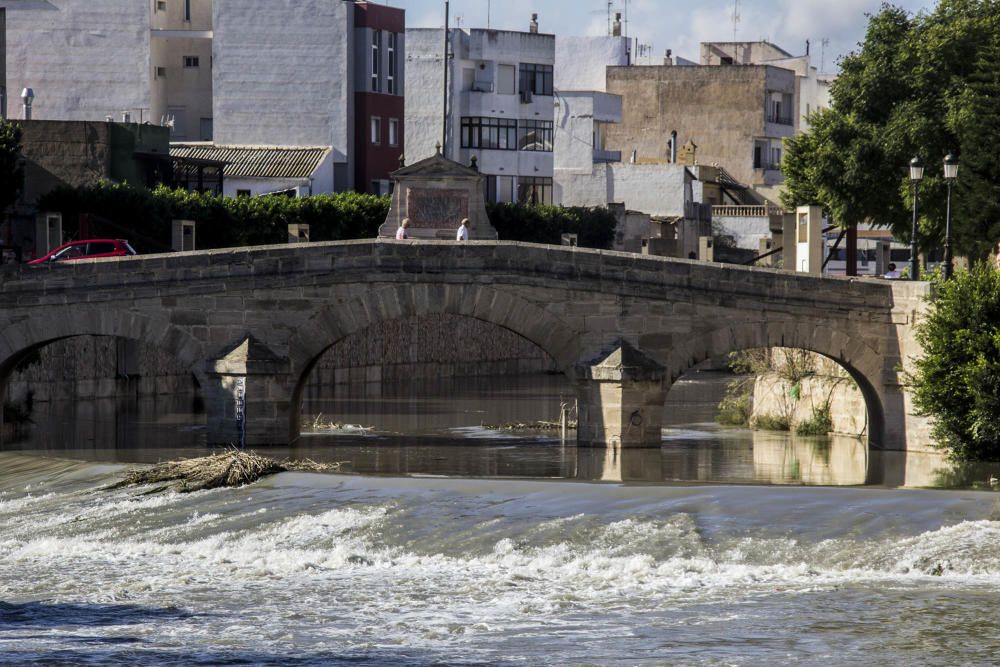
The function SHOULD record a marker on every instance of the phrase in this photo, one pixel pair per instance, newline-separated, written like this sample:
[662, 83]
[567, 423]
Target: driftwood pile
[529, 426]
[231, 468]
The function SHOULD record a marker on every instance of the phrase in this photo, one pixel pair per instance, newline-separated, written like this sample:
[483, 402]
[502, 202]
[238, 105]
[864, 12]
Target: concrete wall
[773, 395]
[84, 60]
[721, 109]
[424, 100]
[83, 153]
[581, 62]
[291, 86]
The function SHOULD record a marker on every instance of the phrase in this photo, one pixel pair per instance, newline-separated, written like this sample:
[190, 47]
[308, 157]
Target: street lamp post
[916, 173]
[950, 174]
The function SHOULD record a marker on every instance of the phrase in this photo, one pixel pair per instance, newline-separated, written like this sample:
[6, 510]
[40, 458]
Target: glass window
[495, 133]
[536, 79]
[506, 78]
[390, 75]
[393, 132]
[187, 10]
[376, 130]
[533, 190]
[376, 55]
[190, 61]
[534, 135]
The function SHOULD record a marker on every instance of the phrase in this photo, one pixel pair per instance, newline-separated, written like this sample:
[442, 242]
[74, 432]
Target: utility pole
[444, 115]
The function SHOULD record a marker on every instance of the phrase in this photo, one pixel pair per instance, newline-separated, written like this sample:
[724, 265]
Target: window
[390, 75]
[161, 5]
[534, 135]
[376, 55]
[536, 79]
[190, 61]
[187, 10]
[161, 72]
[496, 133]
[376, 130]
[242, 193]
[393, 131]
[498, 189]
[534, 190]
[506, 77]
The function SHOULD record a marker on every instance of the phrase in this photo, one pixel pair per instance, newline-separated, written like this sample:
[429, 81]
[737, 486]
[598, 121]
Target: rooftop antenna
[610, 3]
[736, 18]
[488, 8]
[444, 106]
[822, 54]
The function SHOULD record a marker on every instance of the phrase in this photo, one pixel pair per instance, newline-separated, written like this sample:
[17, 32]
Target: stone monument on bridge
[435, 194]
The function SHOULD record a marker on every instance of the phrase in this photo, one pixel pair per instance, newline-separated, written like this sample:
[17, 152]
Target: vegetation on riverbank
[956, 381]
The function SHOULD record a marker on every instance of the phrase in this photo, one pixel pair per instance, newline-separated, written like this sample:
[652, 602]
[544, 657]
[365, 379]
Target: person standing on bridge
[463, 231]
[403, 232]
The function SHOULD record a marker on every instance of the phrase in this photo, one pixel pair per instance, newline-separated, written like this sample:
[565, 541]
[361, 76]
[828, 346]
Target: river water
[445, 543]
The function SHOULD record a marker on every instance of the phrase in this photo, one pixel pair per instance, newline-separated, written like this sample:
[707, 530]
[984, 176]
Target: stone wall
[774, 395]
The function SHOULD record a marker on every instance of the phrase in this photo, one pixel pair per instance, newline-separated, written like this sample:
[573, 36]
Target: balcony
[745, 211]
[780, 119]
[601, 156]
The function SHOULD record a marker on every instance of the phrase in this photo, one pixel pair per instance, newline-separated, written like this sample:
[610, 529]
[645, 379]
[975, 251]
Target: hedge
[145, 217]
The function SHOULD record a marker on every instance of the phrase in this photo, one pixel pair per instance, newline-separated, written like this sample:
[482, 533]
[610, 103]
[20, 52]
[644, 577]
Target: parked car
[87, 249]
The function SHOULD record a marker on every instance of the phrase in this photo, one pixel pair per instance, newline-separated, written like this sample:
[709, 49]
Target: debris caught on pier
[528, 426]
[232, 468]
[321, 425]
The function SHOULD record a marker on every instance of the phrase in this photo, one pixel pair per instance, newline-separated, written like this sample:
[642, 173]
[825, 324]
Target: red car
[87, 249]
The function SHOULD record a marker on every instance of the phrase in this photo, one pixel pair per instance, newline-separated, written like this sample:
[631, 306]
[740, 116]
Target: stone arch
[496, 306]
[20, 339]
[862, 362]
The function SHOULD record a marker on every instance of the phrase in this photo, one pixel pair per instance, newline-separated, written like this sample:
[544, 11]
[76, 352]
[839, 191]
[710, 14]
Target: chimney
[616, 27]
[668, 58]
[533, 26]
[27, 97]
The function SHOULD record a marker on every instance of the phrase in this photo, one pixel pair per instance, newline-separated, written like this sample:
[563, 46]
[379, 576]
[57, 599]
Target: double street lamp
[916, 174]
[950, 174]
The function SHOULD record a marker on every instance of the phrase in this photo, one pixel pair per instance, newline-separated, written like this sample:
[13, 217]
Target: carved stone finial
[437, 148]
[402, 161]
[474, 163]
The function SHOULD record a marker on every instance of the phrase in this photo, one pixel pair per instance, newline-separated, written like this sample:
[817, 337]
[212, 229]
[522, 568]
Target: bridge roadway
[623, 326]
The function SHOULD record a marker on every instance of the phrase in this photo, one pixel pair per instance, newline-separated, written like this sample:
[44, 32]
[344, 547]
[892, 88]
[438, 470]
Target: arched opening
[438, 392]
[777, 415]
[106, 396]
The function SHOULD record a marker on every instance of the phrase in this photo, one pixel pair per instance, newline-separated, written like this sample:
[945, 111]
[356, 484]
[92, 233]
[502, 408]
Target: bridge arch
[482, 302]
[19, 340]
[861, 361]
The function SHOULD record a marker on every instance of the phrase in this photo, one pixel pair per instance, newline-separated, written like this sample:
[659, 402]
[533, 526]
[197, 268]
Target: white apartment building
[500, 106]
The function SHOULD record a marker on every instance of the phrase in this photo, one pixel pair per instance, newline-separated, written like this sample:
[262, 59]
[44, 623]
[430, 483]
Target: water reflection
[438, 429]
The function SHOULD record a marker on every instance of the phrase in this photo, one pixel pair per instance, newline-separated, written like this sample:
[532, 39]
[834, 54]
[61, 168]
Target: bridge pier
[248, 399]
[621, 400]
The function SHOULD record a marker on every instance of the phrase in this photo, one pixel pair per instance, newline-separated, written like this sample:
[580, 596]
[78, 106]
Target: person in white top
[463, 231]
[402, 233]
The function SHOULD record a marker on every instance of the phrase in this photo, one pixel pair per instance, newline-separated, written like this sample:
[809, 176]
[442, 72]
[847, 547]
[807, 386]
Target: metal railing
[607, 156]
[745, 211]
[780, 119]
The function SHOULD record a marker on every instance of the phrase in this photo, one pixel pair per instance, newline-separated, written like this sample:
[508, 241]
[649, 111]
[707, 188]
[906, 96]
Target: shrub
[771, 423]
[736, 406]
[819, 423]
[956, 380]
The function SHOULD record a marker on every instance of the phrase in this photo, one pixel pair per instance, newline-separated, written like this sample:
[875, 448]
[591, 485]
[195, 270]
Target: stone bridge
[623, 326]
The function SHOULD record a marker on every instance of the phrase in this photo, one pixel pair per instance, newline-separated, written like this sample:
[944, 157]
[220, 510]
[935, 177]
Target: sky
[679, 25]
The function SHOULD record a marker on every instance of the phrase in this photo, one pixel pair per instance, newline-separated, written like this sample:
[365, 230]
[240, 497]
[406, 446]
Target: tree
[905, 92]
[11, 174]
[956, 381]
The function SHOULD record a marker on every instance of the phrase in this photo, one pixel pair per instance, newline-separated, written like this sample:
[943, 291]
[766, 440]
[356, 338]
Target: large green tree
[10, 164]
[917, 85]
[956, 381]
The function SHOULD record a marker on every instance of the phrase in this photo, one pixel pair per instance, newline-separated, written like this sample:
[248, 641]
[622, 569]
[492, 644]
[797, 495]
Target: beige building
[181, 62]
[737, 117]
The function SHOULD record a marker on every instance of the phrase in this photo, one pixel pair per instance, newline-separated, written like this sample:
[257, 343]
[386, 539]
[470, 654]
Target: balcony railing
[745, 211]
[779, 119]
